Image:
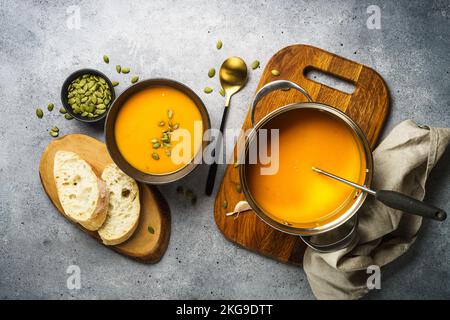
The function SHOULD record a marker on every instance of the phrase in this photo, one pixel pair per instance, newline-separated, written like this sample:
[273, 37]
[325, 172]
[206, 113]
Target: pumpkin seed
[115, 83]
[156, 145]
[106, 59]
[211, 72]
[62, 110]
[125, 70]
[50, 106]
[207, 90]
[53, 134]
[154, 140]
[176, 126]
[238, 188]
[155, 156]
[275, 72]
[170, 113]
[219, 44]
[161, 124]
[168, 153]
[68, 116]
[56, 129]
[224, 204]
[222, 92]
[285, 89]
[134, 79]
[118, 68]
[255, 64]
[39, 113]
[151, 230]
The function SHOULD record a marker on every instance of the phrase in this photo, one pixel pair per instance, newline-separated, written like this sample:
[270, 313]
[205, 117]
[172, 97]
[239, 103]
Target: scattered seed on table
[118, 68]
[115, 83]
[106, 59]
[207, 90]
[255, 64]
[134, 79]
[68, 116]
[50, 106]
[125, 70]
[211, 72]
[62, 110]
[222, 92]
[219, 44]
[39, 113]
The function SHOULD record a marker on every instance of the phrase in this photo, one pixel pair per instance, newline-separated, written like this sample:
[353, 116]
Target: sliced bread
[81, 193]
[124, 206]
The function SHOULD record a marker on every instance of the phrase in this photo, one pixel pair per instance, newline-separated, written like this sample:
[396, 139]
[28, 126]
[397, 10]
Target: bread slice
[82, 194]
[124, 206]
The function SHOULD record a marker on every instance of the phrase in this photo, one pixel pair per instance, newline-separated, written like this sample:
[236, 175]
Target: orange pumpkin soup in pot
[296, 194]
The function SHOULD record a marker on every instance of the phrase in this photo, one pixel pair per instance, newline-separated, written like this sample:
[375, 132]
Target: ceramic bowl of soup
[293, 198]
[155, 129]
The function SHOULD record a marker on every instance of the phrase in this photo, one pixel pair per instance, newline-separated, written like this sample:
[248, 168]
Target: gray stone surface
[176, 39]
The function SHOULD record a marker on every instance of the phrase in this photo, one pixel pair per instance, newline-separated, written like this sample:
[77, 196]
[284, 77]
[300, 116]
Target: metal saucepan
[337, 232]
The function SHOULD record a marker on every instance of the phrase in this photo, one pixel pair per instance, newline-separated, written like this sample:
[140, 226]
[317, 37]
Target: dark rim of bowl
[69, 80]
[113, 149]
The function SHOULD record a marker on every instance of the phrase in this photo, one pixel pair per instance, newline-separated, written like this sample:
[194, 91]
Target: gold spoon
[233, 77]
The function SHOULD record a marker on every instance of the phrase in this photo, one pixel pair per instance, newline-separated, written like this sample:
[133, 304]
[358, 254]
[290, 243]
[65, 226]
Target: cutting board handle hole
[329, 80]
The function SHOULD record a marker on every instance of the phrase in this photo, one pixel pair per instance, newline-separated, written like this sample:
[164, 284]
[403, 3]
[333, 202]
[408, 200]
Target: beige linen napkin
[402, 162]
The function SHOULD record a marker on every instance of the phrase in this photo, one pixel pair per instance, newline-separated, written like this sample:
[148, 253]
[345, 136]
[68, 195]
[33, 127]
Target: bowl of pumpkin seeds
[87, 95]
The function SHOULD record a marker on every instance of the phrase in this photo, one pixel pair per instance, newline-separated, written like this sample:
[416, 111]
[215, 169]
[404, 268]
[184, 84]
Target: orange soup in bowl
[146, 127]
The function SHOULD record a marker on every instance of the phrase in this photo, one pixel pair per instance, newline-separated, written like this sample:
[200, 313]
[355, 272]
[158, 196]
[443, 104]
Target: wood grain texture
[142, 245]
[368, 106]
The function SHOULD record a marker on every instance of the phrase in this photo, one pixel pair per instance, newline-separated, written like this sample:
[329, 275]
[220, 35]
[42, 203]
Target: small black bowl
[65, 87]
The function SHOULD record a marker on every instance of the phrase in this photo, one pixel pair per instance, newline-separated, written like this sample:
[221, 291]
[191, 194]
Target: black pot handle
[410, 205]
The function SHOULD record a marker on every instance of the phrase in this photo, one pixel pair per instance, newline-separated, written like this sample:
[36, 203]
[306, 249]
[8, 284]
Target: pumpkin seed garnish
[151, 230]
[168, 153]
[125, 70]
[219, 44]
[224, 204]
[62, 110]
[133, 79]
[255, 64]
[106, 59]
[170, 113]
[50, 106]
[211, 72]
[156, 145]
[162, 123]
[275, 72]
[238, 188]
[39, 113]
[56, 129]
[155, 156]
[115, 83]
[118, 68]
[222, 92]
[207, 90]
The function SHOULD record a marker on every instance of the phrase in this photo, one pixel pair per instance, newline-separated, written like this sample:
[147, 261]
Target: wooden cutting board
[368, 106]
[143, 245]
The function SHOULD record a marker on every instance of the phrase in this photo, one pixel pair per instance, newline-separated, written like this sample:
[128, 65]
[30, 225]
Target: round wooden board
[155, 212]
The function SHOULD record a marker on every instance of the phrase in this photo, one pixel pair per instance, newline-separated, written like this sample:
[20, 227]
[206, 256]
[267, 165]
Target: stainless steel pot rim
[342, 218]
